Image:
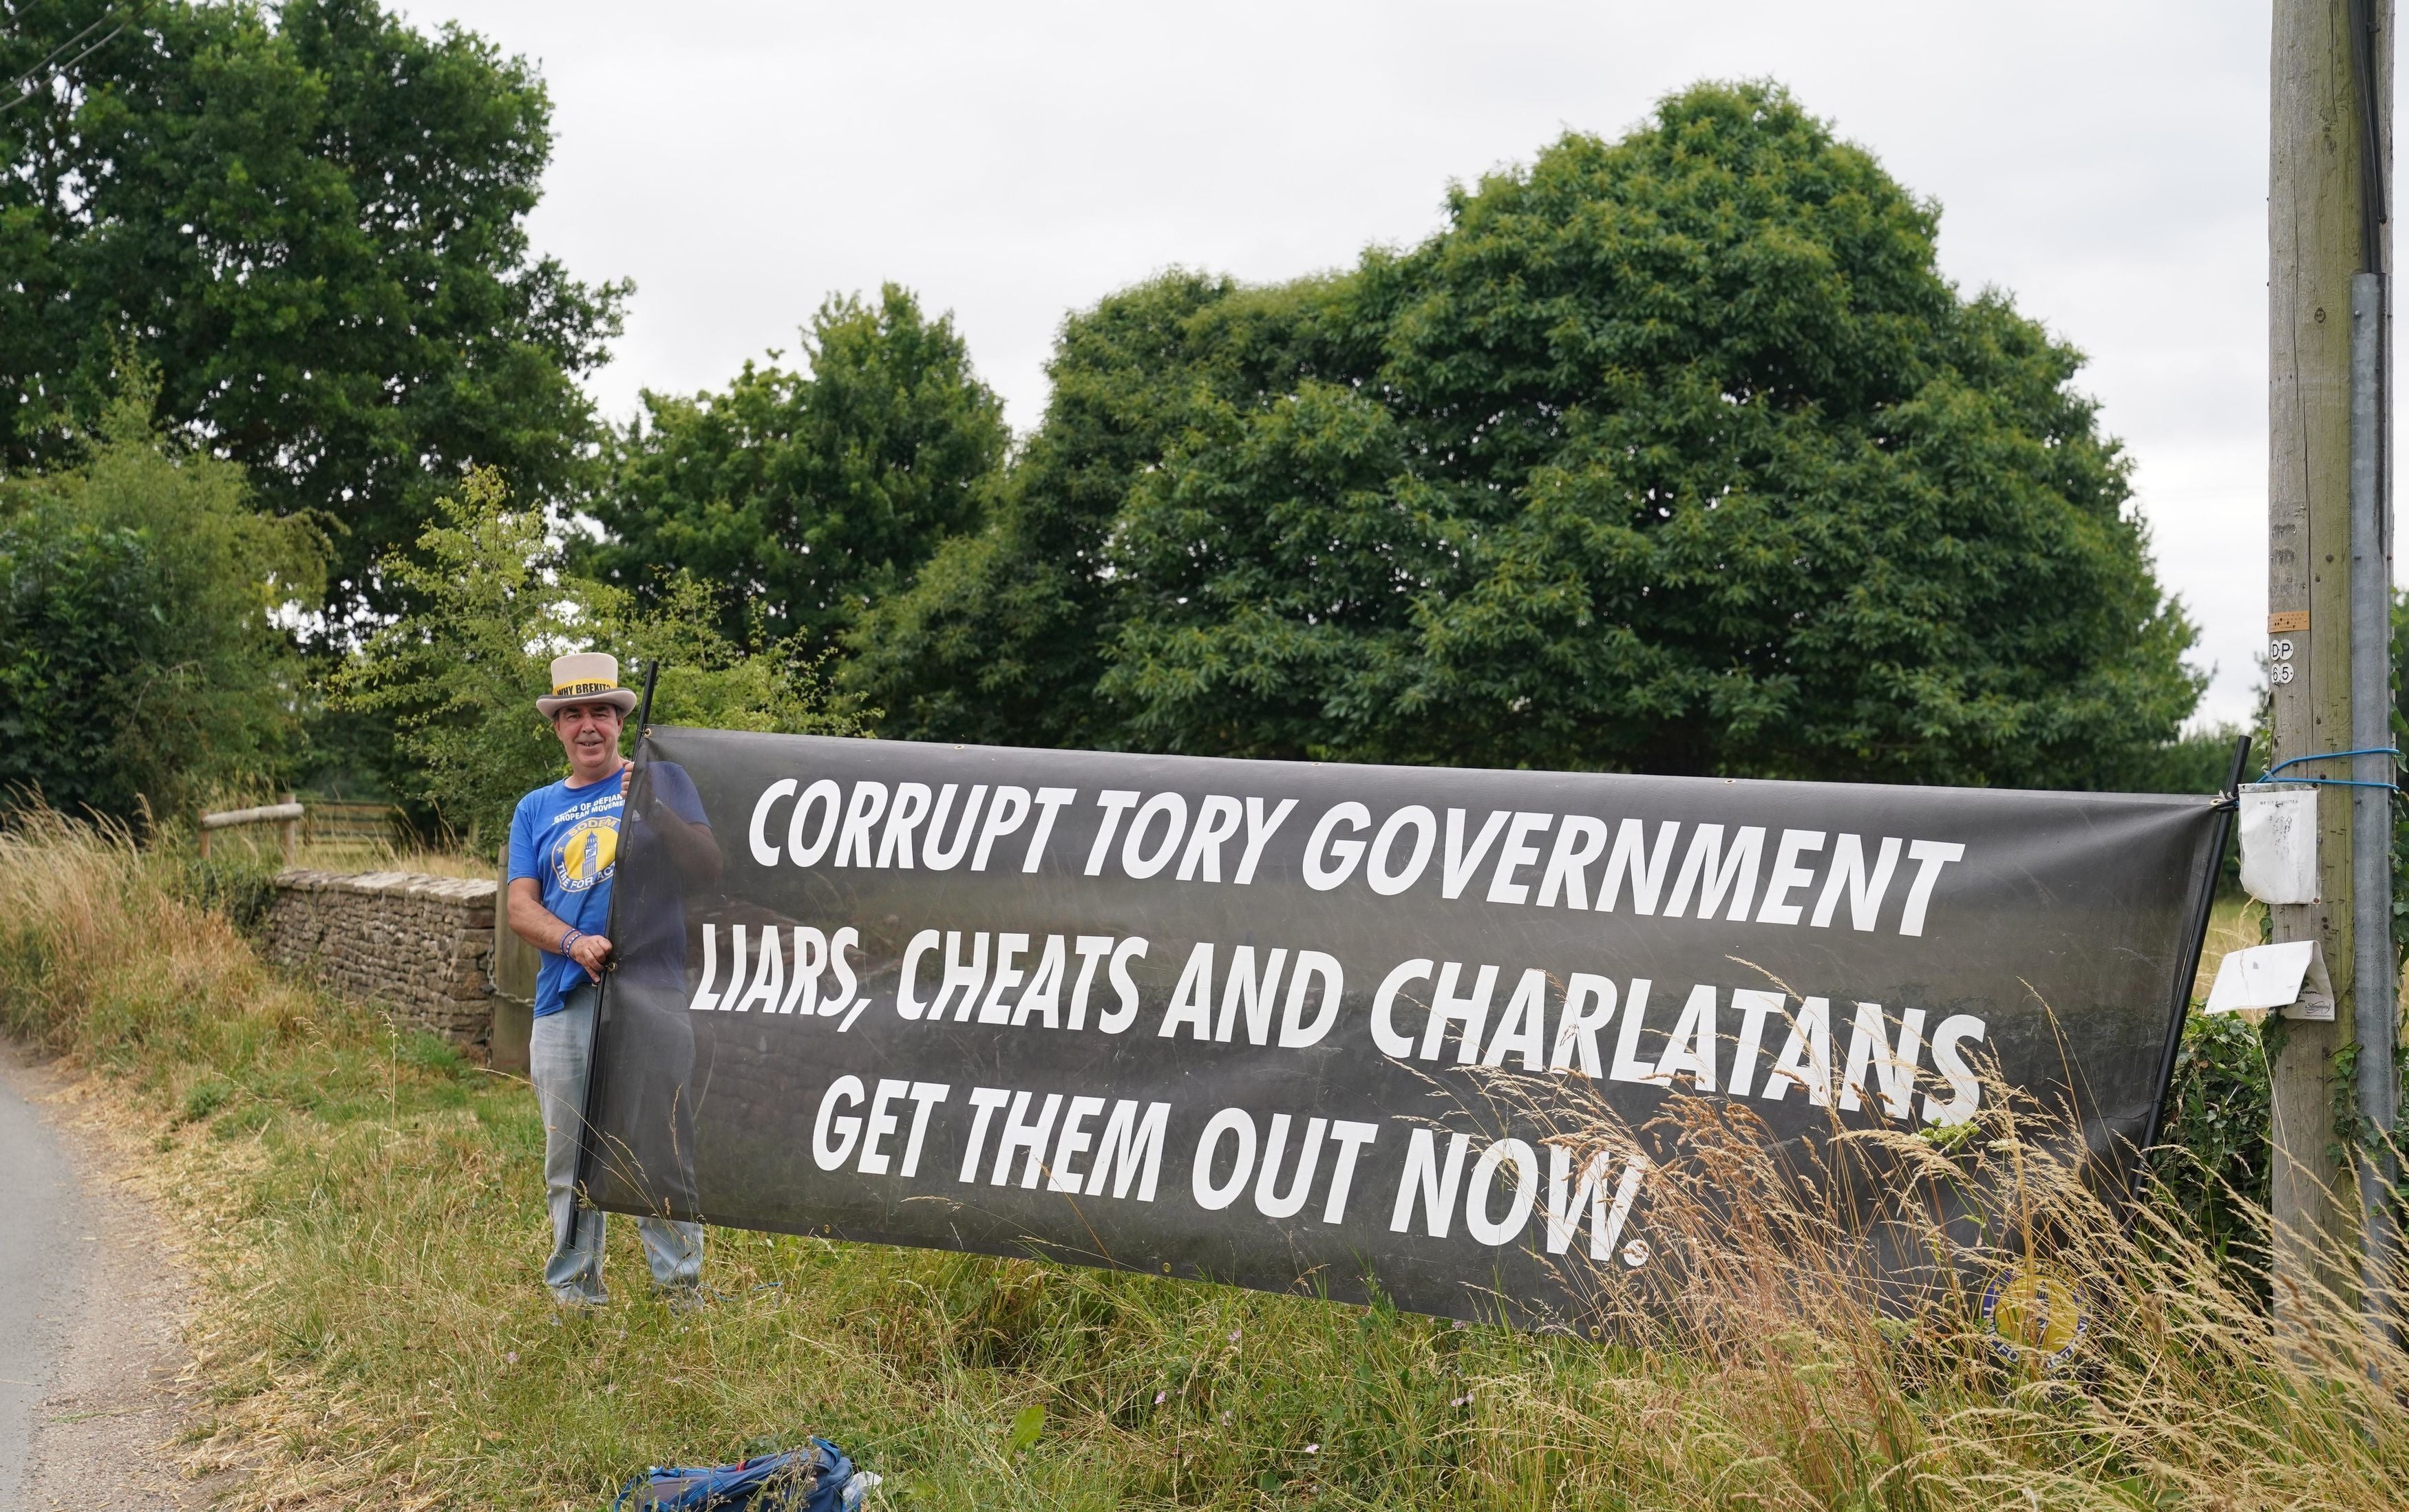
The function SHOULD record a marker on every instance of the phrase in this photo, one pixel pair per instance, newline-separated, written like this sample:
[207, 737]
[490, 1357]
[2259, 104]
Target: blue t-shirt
[567, 840]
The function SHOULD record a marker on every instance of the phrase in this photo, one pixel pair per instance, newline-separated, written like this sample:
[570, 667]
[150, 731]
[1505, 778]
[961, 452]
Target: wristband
[569, 937]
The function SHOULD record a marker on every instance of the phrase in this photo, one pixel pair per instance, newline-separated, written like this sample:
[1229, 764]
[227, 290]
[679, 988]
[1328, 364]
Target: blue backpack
[815, 1480]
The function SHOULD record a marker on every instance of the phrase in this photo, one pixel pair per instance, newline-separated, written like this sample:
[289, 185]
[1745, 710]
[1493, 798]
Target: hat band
[574, 690]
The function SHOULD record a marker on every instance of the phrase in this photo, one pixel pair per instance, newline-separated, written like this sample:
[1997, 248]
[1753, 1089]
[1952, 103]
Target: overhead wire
[50, 64]
[2374, 219]
[2374, 193]
[89, 27]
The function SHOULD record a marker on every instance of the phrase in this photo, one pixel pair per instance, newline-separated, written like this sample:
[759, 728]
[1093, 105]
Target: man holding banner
[565, 844]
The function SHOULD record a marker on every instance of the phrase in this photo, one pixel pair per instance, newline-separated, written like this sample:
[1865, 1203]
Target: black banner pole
[2227, 802]
[586, 1154]
[645, 707]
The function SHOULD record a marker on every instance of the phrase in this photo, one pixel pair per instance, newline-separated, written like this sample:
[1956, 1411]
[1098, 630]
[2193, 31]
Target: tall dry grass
[369, 1222]
[100, 955]
[1833, 1300]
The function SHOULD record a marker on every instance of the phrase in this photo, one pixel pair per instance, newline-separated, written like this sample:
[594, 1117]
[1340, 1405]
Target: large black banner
[1300, 1026]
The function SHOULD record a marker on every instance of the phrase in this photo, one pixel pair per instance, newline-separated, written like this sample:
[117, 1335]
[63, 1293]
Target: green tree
[999, 638]
[458, 675]
[138, 659]
[813, 493]
[1674, 453]
[311, 219]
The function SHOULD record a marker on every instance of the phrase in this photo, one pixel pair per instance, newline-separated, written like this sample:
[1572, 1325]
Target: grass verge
[369, 1219]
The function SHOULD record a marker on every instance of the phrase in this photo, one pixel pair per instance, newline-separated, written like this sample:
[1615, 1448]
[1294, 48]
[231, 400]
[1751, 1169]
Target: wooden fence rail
[321, 821]
[343, 819]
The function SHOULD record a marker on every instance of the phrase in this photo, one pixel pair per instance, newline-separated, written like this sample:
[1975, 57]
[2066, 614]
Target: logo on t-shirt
[585, 854]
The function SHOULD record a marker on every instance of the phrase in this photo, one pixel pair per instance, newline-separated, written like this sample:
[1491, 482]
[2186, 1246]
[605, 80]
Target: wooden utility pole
[2330, 155]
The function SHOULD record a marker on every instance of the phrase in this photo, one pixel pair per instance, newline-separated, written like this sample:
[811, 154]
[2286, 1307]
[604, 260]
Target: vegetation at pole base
[312, 219]
[2215, 1157]
[459, 675]
[2400, 725]
[139, 665]
[1674, 453]
[811, 494]
[365, 1214]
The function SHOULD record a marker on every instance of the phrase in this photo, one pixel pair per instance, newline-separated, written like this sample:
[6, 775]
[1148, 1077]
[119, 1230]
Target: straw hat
[586, 677]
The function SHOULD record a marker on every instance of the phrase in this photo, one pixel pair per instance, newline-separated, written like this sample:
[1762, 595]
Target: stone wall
[419, 946]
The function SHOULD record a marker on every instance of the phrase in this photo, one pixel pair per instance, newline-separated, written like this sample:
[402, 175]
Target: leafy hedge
[2213, 1155]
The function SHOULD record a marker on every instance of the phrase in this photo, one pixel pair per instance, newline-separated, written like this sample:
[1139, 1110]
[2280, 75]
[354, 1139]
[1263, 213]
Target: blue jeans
[558, 1055]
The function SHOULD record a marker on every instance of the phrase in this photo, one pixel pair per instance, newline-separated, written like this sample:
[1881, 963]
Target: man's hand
[626, 775]
[590, 951]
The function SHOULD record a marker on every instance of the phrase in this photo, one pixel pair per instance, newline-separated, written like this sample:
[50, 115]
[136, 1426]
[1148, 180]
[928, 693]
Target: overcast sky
[2104, 164]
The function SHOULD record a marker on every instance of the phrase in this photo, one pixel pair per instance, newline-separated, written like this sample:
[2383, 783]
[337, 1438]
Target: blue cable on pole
[2335, 755]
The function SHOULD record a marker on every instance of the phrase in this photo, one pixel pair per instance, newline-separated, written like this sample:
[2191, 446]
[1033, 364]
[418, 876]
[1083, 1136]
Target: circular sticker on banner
[2034, 1312]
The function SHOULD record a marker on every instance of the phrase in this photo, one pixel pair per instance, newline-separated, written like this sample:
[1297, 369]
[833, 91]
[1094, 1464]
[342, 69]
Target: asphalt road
[40, 1245]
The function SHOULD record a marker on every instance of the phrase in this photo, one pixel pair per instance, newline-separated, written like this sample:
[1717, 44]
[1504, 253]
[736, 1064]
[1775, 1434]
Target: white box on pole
[2279, 842]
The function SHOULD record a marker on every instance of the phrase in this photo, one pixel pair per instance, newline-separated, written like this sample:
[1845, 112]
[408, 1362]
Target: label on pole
[2290, 975]
[2288, 622]
[1335, 1028]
